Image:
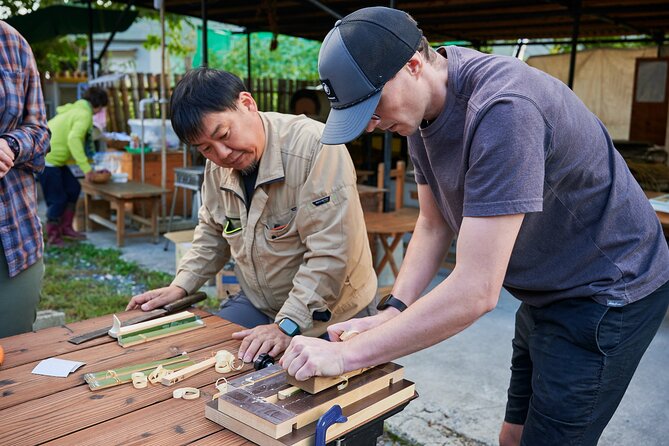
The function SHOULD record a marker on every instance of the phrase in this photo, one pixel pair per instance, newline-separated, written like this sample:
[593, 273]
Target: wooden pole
[574, 41]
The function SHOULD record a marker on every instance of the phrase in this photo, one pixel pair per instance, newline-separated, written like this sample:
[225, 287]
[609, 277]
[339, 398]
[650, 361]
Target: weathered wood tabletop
[37, 409]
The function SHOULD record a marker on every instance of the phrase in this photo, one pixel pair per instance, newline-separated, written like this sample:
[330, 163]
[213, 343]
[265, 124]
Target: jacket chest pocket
[11, 95]
[281, 227]
[232, 233]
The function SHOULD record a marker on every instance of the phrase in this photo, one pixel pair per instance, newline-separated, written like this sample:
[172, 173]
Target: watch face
[289, 327]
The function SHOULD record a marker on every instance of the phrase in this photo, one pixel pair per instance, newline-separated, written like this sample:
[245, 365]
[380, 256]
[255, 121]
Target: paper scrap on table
[56, 367]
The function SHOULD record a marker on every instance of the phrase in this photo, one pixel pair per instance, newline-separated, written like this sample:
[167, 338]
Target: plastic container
[121, 177]
[110, 161]
[152, 129]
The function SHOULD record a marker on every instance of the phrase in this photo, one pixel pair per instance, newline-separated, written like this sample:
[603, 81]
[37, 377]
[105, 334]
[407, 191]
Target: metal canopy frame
[479, 22]
[470, 20]
[98, 60]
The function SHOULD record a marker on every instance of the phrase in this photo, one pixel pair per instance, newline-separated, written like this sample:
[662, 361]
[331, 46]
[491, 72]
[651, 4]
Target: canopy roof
[60, 20]
[470, 20]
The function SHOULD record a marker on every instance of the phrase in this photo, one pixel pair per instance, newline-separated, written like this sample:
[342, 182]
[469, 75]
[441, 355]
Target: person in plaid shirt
[24, 140]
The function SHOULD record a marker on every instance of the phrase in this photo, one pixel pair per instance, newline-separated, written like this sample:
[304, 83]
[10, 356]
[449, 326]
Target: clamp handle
[332, 416]
[262, 361]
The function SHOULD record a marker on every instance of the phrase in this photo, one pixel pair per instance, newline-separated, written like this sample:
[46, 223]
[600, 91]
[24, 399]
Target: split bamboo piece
[175, 377]
[115, 377]
[319, 383]
[290, 391]
[158, 328]
[178, 376]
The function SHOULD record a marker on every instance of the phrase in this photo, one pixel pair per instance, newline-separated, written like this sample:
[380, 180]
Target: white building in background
[126, 53]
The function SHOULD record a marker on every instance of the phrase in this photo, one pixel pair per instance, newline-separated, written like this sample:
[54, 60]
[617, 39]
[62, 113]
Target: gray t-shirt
[512, 139]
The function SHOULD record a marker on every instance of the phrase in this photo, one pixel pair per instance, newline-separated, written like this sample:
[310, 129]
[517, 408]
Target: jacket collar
[271, 162]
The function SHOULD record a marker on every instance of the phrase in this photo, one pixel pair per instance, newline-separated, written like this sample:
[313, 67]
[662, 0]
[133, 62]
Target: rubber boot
[53, 234]
[66, 228]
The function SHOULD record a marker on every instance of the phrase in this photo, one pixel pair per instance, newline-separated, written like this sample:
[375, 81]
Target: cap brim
[346, 124]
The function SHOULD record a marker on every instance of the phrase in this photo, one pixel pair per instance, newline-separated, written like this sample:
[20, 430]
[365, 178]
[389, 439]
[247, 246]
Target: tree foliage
[10, 8]
[566, 47]
[179, 34]
[282, 56]
[292, 58]
[61, 54]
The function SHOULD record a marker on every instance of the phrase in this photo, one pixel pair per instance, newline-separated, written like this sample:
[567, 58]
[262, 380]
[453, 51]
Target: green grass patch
[85, 282]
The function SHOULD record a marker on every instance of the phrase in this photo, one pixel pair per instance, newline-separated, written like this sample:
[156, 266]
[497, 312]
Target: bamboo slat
[125, 101]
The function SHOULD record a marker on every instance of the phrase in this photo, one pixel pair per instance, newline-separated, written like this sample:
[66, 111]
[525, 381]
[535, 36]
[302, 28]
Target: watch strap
[391, 301]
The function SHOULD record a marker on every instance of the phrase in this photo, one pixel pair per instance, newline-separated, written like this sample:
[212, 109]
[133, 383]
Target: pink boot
[53, 234]
[66, 228]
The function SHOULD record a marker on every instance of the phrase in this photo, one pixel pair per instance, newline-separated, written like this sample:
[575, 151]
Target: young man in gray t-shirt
[510, 160]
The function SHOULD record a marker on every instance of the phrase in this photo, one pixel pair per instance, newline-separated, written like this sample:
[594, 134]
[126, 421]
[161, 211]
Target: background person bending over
[510, 160]
[24, 139]
[284, 205]
[70, 129]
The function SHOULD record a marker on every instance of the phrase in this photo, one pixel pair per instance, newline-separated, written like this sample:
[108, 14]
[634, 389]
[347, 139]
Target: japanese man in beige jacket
[283, 205]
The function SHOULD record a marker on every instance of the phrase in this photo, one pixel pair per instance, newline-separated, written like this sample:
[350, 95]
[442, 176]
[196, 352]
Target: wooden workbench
[37, 409]
[121, 194]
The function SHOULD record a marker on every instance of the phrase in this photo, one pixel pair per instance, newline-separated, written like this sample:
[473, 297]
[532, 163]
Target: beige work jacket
[303, 245]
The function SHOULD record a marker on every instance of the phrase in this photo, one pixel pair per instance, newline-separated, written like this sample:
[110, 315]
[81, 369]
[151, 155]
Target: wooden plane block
[369, 408]
[252, 399]
[317, 384]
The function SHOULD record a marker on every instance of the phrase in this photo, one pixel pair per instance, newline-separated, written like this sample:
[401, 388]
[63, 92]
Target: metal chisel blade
[169, 308]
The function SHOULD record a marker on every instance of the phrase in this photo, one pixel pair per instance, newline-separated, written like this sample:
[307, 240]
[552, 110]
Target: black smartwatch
[13, 145]
[391, 301]
[289, 327]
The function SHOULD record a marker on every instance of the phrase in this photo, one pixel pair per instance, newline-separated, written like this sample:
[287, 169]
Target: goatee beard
[250, 168]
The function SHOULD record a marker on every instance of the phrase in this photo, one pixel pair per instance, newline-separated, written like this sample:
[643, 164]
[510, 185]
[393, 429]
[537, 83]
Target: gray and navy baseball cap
[359, 55]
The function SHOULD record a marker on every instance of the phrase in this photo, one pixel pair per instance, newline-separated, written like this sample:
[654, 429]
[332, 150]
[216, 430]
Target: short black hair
[199, 92]
[97, 96]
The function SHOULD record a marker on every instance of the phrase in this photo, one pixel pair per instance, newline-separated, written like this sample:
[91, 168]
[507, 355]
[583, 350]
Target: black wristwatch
[13, 145]
[391, 301]
[289, 327]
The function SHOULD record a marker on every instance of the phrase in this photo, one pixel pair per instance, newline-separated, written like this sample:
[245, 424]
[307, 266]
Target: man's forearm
[443, 312]
[425, 253]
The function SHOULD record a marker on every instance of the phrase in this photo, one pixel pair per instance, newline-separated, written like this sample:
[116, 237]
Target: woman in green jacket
[69, 129]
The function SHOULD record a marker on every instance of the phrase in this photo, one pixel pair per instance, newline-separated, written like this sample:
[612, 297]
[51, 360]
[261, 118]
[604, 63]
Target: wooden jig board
[251, 408]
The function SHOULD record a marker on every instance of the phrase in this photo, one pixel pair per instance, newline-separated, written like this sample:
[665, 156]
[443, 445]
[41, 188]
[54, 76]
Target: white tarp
[603, 79]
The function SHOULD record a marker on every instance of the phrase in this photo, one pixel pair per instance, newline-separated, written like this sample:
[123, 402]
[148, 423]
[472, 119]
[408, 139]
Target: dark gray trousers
[19, 297]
